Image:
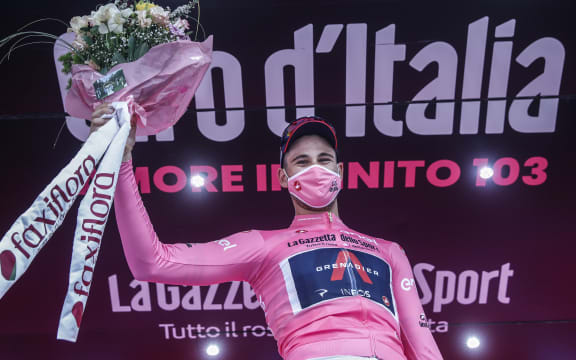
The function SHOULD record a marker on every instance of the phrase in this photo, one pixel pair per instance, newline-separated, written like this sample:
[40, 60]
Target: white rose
[78, 23]
[93, 19]
[159, 15]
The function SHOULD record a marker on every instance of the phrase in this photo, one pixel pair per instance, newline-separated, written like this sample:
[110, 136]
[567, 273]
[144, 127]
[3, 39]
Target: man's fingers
[101, 115]
[99, 112]
[102, 106]
[99, 121]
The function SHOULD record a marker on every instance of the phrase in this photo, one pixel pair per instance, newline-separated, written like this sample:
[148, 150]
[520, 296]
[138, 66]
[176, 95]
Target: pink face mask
[315, 186]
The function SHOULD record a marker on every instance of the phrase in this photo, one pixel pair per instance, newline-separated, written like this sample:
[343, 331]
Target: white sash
[32, 230]
[92, 216]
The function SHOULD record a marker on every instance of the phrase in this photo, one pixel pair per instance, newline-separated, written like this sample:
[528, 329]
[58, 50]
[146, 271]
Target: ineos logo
[407, 284]
[349, 260]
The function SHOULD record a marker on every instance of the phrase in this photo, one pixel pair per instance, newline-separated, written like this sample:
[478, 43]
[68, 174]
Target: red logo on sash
[8, 265]
[77, 311]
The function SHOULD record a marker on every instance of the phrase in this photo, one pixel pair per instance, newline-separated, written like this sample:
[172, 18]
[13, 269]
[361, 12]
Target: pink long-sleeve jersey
[326, 289]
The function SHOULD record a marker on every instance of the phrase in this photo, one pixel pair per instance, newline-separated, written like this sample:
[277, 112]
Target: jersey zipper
[364, 317]
[360, 299]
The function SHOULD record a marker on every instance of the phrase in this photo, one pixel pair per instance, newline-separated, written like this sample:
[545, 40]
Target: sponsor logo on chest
[324, 238]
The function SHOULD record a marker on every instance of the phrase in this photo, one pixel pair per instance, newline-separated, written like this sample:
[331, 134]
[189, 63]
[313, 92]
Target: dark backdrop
[518, 229]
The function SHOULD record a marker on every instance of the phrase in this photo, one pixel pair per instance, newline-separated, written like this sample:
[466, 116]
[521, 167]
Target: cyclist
[328, 291]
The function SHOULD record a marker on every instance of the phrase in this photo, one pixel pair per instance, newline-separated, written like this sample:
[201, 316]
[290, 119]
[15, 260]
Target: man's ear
[341, 169]
[282, 178]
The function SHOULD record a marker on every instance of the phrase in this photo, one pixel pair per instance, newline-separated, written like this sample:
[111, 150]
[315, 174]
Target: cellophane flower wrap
[160, 85]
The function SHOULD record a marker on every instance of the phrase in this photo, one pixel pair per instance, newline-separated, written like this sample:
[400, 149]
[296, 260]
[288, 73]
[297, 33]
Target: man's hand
[98, 121]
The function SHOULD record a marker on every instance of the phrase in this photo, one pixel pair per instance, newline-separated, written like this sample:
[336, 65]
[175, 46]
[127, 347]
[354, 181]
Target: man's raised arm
[237, 257]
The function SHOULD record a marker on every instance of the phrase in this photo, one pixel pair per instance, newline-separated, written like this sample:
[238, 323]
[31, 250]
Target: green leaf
[141, 50]
[77, 59]
[131, 48]
[66, 60]
[118, 58]
[65, 57]
[88, 40]
[66, 67]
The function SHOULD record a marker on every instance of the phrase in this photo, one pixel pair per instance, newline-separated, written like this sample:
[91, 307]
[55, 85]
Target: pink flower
[182, 24]
[79, 42]
[143, 20]
[175, 31]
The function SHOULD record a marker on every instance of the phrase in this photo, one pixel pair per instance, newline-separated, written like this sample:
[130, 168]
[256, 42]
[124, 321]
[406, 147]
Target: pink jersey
[325, 289]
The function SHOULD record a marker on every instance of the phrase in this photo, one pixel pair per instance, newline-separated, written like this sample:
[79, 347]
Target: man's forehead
[310, 140]
[310, 145]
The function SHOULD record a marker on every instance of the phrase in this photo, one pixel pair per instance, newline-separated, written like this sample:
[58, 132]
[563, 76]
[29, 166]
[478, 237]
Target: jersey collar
[325, 218]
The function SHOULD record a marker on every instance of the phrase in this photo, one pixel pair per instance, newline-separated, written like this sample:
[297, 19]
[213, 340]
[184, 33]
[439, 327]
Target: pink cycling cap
[308, 125]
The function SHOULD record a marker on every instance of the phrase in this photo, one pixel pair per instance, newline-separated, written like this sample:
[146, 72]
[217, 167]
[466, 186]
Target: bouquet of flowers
[121, 32]
[136, 52]
[139, 53]
[139, 57]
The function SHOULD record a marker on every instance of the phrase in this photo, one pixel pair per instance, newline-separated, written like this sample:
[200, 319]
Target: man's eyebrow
[303, 156]
[326, 154]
